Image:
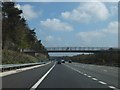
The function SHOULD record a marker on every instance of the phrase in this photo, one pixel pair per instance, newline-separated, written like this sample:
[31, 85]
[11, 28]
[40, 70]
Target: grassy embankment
[13, 57]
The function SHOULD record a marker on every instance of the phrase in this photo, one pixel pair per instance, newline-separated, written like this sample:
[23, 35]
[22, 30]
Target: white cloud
[56, 25]
[75, 15]
[112, 28]
[59, 39]
[28, 11]
[114, 10]
[49, 38]
[52, 39]
[18, 6]
[88, 36]
[87, 11]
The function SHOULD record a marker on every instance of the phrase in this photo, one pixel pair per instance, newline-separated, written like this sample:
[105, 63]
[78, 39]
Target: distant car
[59, 62]
[70, 61]
[63, 61]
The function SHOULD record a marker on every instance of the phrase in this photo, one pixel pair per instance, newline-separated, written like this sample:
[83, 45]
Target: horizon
[66, 24]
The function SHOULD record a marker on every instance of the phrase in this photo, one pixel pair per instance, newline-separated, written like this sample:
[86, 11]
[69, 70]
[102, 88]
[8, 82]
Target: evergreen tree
[16, 34]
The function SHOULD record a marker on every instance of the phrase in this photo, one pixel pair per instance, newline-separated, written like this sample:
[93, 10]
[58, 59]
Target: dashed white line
[89, 76]
[75, 69]
[41, 79]
[79, 71]
[102, 82]
[105, 70]
[85, 74]
[94, 79]
[111, 87]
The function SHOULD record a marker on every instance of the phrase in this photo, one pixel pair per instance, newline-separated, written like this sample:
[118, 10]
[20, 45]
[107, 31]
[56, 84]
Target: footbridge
[76, 49]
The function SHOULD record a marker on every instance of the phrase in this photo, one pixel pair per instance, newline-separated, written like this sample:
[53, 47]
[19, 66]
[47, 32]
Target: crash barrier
[8, 67]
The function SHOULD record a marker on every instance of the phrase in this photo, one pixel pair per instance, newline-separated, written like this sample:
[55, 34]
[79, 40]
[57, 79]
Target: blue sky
[93, 24]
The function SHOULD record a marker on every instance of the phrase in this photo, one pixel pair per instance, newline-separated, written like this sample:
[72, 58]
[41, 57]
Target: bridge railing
[75, 48]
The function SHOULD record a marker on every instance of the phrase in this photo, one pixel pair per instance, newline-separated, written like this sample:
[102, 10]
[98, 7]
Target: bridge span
[76, 49]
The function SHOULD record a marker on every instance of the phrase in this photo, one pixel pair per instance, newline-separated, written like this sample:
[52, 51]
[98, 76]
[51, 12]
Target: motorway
[65, 75]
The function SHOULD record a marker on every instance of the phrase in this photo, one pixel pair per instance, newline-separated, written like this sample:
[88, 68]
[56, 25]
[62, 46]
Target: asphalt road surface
[25, 79]
[68, 75]
[107, 74]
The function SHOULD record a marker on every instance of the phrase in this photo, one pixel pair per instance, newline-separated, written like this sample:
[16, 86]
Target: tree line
[16, 34]
[106, 58]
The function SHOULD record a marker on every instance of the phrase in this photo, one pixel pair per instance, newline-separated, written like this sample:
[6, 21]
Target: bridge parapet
[76, 49]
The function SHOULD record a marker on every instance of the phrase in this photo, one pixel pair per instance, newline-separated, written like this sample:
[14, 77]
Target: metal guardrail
[8, 67]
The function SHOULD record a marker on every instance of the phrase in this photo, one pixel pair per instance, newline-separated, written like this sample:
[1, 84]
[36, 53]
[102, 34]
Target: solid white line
[102, 82]
[2, 74]
[41, 79]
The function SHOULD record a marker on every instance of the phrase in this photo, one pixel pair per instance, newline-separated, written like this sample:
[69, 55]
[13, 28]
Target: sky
[70, 24]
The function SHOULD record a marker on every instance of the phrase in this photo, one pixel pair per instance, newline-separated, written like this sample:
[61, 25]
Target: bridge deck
[76, 49]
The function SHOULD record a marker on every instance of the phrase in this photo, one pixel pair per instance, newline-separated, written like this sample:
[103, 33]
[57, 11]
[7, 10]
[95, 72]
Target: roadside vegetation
[12, 57]
[17, 36]
[110, 59]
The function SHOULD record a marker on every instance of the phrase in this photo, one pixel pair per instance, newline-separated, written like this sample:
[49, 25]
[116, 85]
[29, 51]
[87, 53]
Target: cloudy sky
[79, 24]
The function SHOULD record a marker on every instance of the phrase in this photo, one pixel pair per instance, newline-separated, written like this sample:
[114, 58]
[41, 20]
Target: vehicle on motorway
[70, 61]
[63, 61]
[59, 62]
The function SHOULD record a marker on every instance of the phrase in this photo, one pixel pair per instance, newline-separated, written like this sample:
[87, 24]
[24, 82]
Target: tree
[11, 17]
[16, 34]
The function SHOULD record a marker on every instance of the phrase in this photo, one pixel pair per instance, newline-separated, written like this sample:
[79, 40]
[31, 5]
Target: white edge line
[41, 79]
[2, 74]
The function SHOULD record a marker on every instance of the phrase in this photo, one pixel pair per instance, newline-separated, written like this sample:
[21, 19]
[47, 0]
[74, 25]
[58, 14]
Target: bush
[13, 57]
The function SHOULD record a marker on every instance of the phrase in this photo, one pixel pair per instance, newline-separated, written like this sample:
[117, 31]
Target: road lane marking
[41, 79]
[94, 79]
[105, 70]
[102, 82]
[74, 69]
[2, 74]
[89, 76]
[85, 74]
[112, 87]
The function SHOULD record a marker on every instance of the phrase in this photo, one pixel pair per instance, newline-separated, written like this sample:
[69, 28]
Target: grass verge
[13, 57]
